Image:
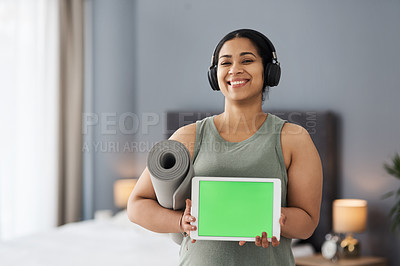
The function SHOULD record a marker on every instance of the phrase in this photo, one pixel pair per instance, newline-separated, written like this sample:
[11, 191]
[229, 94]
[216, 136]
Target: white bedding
[113, 241]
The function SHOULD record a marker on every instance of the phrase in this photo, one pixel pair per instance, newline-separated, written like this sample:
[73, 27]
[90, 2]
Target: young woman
[251, 143]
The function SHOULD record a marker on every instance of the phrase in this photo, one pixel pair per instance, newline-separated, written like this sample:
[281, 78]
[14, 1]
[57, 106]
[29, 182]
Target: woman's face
[240, 70]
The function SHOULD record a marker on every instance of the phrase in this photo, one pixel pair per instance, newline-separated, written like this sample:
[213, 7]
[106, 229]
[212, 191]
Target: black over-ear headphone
[272, 70]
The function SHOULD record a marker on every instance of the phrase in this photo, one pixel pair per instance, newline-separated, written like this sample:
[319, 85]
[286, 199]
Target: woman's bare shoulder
[187, 136]
[297, 142]
[294, 132]
[295, 137]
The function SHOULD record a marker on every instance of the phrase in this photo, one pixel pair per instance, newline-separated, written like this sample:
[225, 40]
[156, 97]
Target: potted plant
[394, 170]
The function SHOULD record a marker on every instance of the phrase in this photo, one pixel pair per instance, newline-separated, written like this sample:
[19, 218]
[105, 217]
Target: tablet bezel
[276, 228]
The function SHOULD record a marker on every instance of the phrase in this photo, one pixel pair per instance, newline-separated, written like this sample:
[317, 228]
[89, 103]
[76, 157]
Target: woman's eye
[247, 61]
[225, 63]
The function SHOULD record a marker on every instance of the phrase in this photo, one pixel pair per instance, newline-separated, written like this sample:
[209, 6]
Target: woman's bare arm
[304, 183]
[143, 208]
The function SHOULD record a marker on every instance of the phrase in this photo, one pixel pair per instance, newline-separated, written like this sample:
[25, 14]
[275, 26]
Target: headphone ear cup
[272, 74]
[212, 78]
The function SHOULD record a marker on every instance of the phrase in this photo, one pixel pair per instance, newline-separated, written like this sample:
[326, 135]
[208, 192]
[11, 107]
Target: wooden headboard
[323, 129]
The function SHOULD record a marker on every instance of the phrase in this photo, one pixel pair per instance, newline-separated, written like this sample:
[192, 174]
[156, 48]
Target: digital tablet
[235, 208]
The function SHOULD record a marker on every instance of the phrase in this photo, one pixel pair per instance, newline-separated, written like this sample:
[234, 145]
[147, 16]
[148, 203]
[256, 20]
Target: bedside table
[318, 260]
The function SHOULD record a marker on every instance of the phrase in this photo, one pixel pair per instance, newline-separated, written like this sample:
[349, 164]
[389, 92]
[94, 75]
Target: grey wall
[111, 68]
[336, 55]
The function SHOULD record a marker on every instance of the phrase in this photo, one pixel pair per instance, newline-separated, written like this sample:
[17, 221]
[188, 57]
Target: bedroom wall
[336, 55]
[111, 68]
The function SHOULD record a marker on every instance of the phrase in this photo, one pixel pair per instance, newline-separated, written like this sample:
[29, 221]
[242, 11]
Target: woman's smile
[237, 83]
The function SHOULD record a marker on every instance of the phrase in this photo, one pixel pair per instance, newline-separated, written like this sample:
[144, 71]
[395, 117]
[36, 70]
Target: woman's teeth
[237, 82]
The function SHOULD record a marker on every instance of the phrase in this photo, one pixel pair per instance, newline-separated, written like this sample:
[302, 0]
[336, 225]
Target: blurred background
[84, 96]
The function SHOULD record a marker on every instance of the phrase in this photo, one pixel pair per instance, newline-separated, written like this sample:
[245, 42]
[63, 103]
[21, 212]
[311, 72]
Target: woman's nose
[235, 69]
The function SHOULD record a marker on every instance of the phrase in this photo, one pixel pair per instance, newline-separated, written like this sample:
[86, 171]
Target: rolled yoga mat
[171, 172]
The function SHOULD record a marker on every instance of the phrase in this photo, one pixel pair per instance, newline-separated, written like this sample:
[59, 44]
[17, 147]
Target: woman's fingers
[264, 240]
[258, 241]
[187, 218]
[188, 227]
[275, 242]
[188, 206]
[241, 243]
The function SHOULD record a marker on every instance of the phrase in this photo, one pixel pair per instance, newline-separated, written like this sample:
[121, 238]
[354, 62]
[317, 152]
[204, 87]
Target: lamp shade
[349, 215]
[122, 191]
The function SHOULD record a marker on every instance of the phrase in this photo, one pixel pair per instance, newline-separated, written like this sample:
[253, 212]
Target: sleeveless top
[258, 156]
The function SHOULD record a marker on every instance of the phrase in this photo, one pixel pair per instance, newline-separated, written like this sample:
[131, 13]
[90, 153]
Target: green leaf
[394, 169]
[396, 222]
[396, 161]
[393, 211]
[387, 195]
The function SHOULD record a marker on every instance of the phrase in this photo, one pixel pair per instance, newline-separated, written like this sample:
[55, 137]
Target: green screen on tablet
[235, 209]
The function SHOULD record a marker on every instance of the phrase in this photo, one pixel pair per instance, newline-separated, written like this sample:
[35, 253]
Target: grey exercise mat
[171, 173]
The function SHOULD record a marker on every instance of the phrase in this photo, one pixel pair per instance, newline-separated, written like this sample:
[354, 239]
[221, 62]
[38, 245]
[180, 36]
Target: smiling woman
[255, 144]
[240, 70]
[265, 52]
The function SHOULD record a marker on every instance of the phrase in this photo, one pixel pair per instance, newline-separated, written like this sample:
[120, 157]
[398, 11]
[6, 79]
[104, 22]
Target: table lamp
[122, 191]
[349, 216]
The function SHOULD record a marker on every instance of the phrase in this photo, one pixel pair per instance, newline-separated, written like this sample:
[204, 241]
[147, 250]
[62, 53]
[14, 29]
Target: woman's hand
[263, 240]
[186, 219]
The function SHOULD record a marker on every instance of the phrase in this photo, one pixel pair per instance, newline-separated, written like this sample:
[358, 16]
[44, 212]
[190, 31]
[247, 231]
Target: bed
[105, 241]
[116, 241]
[101, 242]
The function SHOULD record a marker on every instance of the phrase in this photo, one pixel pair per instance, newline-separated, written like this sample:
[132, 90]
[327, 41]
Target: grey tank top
[258, 156]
